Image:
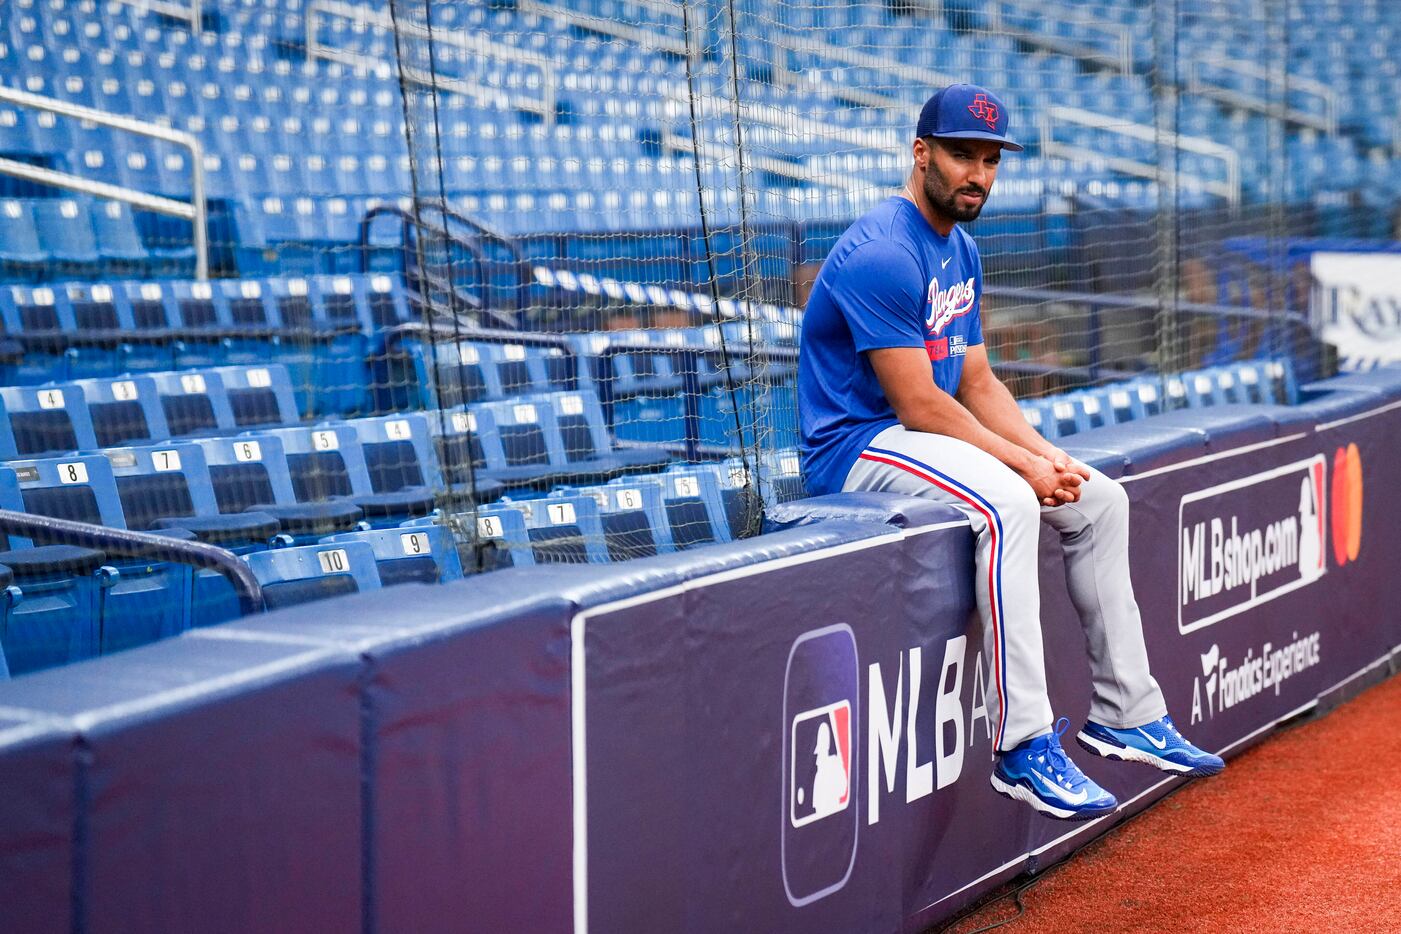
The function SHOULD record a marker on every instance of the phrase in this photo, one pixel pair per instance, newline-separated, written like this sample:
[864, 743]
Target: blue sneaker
[1039, 773]
[1157, 744]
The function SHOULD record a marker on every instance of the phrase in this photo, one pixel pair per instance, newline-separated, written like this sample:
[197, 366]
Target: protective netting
[539, 264]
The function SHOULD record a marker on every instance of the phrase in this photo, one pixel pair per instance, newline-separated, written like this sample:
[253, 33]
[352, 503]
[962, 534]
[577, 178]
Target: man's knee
[1015, 501]
[1105, 497]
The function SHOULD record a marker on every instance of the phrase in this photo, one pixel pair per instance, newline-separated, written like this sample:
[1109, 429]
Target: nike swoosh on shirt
[1157, 743]
[945, 263]
[1078, 797]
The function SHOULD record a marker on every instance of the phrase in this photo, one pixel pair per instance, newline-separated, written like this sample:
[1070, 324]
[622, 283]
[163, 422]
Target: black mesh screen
[198, 313]
[43, 432]
[524, 444]
[188, 415]
[154, 496]
[116, 422]
[254, 407]
[318, 475]
[96, 316]
[238, 486]
[393, 465]
[148, 315]
[75, 503]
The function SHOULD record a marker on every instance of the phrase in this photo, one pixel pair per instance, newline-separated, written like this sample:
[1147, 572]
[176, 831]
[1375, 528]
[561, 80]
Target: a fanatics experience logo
[941, 307]
[1223, 684]
[1246, 542]
[820, 691]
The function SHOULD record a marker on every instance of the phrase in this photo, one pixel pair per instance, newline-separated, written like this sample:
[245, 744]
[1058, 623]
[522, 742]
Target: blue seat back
[422, 553]
[290, 576]
[124, 409]
[565, 529]
[41, 420]
[259, 395]
[194, 403]
[694, 505]
[324, 461]
[398, 452]
[501, 527]
[162, 481]
[633, 517]
[247, 470]
[79, 488]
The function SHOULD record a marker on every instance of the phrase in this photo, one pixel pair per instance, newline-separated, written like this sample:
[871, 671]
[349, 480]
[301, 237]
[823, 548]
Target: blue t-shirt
[891, 281]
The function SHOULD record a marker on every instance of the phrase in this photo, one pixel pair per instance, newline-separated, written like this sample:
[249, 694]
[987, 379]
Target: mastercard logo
[1346, 503]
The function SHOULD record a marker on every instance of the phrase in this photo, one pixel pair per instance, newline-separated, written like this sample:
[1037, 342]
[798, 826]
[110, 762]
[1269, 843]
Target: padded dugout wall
[614, 747]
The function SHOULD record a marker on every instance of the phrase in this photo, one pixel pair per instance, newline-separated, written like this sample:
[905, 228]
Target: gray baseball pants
[1006, 517]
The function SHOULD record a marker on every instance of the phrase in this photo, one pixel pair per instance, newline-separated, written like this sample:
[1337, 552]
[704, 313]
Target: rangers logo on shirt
[941, 307]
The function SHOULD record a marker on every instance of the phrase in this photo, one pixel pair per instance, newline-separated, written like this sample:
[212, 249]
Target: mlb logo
[820, 770]
[821, 775]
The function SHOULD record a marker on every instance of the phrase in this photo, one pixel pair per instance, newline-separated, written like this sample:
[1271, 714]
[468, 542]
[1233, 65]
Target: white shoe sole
[1129, 754]
[1022, 793]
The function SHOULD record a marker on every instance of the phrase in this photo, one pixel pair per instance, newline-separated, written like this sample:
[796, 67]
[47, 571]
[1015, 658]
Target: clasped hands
[1055, 477]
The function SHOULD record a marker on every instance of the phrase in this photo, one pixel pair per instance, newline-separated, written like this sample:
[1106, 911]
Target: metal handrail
[1230, 189]
[639, 35]
[1120, 33]
[128, 544]
[904, 75]
[192, 13]
[1328, 123]
[675, 142]
[462, 39]
[196, 211]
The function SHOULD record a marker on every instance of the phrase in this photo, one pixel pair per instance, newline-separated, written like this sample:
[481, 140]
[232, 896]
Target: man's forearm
[992, 405]
[942, 414]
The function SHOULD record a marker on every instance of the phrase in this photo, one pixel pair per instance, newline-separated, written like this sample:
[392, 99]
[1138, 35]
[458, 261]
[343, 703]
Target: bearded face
[958, 178]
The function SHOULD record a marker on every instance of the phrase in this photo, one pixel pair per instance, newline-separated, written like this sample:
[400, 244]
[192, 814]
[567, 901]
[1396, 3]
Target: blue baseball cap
[965, 111]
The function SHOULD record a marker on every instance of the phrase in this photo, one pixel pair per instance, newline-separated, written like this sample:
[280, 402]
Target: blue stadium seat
[326, 316]
[201, 320]
[61, 621]
[141, 600]
[168, 487]
[20, 249]
[398, 453]
[107, 339]
[258, 396]
[124, 410]
[1094, 407]
[584, 439]
[194, 403]
[118, 240]
[39, 420]
[327, 463]
[66, 235]
[249, 474]
[1124, 402]
[633, 517]
[57, 621]
[1065, 417]
[290, 576]
[694, 506]
[151, 305]
[502, 533]
[564, 529]
[34, 316]
[411, 554]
